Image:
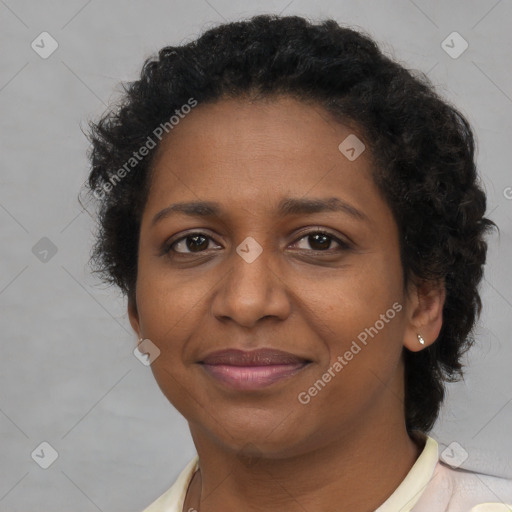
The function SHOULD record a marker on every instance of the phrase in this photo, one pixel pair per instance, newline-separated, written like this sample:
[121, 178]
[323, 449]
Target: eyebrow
[288, 206]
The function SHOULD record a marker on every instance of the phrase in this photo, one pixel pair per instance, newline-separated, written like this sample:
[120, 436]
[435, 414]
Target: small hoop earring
[420, 339]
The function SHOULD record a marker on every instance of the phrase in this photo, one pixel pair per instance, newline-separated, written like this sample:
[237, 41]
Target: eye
[197, 242]
[320, 240]
[192, 243]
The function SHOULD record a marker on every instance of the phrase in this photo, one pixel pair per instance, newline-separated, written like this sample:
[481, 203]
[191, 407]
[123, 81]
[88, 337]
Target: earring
[420, 339]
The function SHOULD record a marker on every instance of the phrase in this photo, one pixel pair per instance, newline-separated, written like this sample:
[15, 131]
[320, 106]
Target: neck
[359, 470]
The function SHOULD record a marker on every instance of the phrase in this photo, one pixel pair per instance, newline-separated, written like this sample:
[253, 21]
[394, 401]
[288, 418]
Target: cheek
[366, 333]
[362, 333]
[166, 298]
[359, 315]
[349, 300]
[168, 312]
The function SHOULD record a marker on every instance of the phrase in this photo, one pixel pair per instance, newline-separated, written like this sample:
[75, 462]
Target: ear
[133, 314]
[424, 314]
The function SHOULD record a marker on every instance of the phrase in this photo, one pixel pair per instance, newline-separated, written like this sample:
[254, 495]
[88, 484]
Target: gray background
[67, 372]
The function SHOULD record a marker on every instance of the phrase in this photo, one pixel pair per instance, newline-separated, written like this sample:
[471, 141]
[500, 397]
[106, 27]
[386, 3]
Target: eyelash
[168, 247]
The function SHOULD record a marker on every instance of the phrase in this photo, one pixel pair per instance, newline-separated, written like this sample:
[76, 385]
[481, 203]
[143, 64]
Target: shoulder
[472, 491]
[458, 482]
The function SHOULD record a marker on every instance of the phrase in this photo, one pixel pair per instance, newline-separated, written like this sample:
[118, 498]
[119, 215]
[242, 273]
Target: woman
[297, 223]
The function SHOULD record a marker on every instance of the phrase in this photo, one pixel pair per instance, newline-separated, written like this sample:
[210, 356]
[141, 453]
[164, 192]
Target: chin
[263, 442]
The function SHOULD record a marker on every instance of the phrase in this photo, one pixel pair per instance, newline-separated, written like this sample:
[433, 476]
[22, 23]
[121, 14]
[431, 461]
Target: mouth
[253, 370]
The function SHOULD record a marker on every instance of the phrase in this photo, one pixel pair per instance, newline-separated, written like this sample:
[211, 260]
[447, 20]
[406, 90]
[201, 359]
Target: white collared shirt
[430, 486]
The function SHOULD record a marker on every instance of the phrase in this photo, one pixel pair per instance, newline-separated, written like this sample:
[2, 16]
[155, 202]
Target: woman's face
[253, 278]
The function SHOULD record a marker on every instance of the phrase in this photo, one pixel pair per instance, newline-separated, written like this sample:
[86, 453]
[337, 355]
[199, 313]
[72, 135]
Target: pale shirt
[431, 485]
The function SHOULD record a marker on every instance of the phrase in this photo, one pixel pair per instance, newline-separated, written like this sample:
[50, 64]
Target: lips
[245, 371]
[260, 357]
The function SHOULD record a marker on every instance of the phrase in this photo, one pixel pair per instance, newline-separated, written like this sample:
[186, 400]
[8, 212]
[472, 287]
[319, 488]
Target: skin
[264, 450]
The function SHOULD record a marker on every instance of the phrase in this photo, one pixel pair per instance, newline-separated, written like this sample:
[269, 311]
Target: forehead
[251, 154]
[240, 127]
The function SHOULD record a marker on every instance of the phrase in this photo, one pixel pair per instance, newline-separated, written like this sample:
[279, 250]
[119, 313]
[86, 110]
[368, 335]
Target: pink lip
[252, 370]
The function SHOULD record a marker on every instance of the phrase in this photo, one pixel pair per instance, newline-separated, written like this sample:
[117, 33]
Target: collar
[408, 493]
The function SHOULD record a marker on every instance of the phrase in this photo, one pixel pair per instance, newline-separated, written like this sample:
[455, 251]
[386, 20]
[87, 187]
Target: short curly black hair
[423, 150]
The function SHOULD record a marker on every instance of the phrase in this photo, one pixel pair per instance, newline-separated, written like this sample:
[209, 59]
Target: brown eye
[317, 241]
[192, 243]
[321, 241]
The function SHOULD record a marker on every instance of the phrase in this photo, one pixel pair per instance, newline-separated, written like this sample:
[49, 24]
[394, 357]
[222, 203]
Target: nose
[252, 290]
